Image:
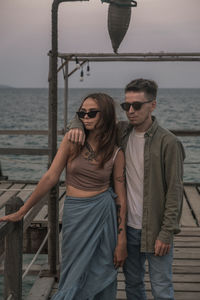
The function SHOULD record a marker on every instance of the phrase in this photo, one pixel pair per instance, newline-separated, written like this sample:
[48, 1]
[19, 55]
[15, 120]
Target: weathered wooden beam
[137, 59]
[130, 54]
[62, 131]
[28, 132]
[13, 254]
[11, 192]
[186, 132]
[6, 228]
[41, 288]
[66, 94]
[52, 137]
[23, 151]
[2, 177]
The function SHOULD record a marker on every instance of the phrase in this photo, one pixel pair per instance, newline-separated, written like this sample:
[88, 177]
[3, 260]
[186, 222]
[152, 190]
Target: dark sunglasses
[91, 114]
[135, 105]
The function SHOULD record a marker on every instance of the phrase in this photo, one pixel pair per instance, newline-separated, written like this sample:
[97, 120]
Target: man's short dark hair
[149, 87]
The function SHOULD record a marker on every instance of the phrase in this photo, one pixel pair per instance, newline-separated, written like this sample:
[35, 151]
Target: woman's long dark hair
[106, 128]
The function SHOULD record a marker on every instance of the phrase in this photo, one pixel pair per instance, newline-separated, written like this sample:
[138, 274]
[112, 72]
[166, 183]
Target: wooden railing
[11, 247]
[45, 151]
[26, 151]
[13, 237]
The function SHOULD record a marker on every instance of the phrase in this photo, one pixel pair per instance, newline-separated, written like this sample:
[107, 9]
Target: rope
[36, 255]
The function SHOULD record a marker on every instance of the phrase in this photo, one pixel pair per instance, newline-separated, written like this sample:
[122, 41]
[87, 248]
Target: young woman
[92, 247]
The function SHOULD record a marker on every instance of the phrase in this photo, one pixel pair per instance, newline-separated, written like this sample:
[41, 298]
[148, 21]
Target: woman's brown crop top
[85, 175]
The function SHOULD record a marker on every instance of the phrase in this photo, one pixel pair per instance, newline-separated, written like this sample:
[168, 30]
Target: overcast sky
[156, 25]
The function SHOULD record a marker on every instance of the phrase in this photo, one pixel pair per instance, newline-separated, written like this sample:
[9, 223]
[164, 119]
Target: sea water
[28, 109]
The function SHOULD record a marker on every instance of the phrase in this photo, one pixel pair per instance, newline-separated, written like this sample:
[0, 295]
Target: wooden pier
[45, 219]
[186, 264]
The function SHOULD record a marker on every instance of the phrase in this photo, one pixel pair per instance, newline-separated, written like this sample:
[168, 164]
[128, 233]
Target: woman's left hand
[120, 255]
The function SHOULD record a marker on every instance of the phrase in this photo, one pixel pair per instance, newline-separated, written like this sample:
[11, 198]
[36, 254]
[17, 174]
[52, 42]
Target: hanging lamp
[119, 15]
[81, 74]
[88, 69]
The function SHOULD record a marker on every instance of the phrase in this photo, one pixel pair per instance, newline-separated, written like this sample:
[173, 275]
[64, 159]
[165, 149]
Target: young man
[154, 172]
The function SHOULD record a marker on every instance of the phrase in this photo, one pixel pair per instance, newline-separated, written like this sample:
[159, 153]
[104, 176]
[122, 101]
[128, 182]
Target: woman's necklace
[90, 154]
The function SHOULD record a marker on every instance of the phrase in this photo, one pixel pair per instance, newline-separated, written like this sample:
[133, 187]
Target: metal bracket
[122, 3]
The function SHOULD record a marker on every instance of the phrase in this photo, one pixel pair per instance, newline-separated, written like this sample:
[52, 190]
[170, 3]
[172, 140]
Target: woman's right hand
[15, 217]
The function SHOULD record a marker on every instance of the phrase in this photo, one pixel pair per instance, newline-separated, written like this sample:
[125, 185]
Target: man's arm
[75, 131]
[173, 166]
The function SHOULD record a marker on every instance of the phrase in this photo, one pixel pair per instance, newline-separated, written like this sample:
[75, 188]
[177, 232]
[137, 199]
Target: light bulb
[88, 70]
[77, 63]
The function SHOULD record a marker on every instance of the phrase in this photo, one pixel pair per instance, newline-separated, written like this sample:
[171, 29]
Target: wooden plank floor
[8, 190]
[186, 268]
[186, 265]
[24, 190]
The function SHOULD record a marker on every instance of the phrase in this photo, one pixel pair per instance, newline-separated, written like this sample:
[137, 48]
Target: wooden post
[1, 174]
[53, 206]
[66, 96]
[13, 254]
[53, 240]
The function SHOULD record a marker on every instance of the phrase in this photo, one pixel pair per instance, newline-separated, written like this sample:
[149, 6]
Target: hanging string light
[88, 69]
[81, 74]
[77, 63]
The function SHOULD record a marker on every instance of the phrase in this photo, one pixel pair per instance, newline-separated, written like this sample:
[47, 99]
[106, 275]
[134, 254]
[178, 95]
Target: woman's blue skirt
[89, 230]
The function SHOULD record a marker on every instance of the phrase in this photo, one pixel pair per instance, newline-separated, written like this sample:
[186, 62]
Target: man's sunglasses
[135, 105]
[91, 114]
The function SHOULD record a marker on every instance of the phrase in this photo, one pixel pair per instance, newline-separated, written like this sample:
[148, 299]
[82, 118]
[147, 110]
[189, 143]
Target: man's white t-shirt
[135, 178]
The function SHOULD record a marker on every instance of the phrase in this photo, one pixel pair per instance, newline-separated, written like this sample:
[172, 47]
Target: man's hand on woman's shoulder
[76, 135]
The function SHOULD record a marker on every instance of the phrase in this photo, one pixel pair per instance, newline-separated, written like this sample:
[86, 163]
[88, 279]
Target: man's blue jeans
[160, 270]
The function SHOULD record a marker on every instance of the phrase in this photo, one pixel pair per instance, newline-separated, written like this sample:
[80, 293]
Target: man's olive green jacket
[163, 183]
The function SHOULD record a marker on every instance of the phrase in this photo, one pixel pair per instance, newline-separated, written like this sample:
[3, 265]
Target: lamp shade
[119, 15]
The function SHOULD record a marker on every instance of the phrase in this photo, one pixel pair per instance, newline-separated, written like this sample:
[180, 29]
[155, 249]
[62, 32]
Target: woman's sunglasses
[91, 114]
[135, 105]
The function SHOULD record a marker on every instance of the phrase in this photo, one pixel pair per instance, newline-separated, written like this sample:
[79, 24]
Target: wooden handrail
[28, 132]
[180, 132]
[23, 151]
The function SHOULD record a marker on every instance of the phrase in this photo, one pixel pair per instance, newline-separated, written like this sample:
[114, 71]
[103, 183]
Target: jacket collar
[150, 132]
[152, 129]
[128, 129]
